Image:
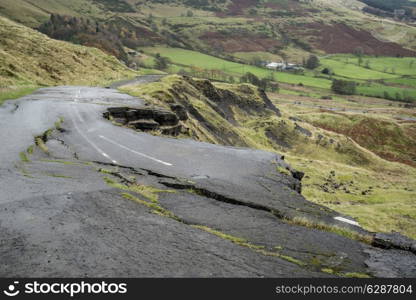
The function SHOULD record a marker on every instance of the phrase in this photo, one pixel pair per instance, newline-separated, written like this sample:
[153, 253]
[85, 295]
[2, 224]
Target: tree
[274, 87]
[257, 61]
[154, 27]
[327, 71]
[150, 18]
[398, 97]
[344, 87]
[161, 63]
[359, 51]
[250, 78]
[312, 62]
[189, 14]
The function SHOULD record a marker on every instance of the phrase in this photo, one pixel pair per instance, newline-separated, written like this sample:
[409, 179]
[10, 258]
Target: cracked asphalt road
[58, 217]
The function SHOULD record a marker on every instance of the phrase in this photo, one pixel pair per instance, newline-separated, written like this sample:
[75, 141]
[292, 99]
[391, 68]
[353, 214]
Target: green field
[394, 76]
[388, 65]
[403, 81]
[183, 58]
[343, 66]
[350, 70]
[378, 90]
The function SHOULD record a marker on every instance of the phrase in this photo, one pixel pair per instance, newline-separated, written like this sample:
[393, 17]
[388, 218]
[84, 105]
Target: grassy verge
[15, 92]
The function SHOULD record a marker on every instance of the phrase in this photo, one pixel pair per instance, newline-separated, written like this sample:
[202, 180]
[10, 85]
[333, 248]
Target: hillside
[344, 168]
[226, 39]
[28, 57]
[229, 27]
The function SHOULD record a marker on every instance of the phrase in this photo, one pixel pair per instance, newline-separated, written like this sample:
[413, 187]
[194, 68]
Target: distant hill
[29, 57]
[227, 27]
[391, 5]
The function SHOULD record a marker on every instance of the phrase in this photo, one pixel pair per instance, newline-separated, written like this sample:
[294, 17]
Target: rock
[148, 118]
[121, 121]
[132, 115]
[180, 111]
[173, 130]
[145, 113]
[145, 124]
[296, 119]
[165, 118]
[297, 174]
[116, 110]
[394, 240]
[391, 263]
[302, 130]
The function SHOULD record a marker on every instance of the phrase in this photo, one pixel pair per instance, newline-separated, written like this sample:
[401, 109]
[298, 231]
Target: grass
[283, 171]
[193, 61]
[350, 234]
[188, 58]
[15, 92]
[393, 66]
[40, 141]
[51, 62]
[34, 13]
[346, 275]
[154, 206]
[405, 81]
[23, 157]
[70, 163]
[149, 192]
[59, 176]
[30, 149]
[349, 70]
[41, 144]
[389, 206]
[244, 243]
[356, 275]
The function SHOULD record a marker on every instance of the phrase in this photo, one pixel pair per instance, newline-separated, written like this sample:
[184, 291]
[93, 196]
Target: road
[59, 216]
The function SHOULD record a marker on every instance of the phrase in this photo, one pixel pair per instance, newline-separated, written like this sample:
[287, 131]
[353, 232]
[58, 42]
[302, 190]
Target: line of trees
[111, 37]
[263, 83]
[344, 87]
[85, 32]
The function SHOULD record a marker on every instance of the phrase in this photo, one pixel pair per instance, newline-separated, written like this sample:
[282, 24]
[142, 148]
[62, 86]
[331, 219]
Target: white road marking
[347, 221]
[135, 152]
[80, 118]
[77, 95]
[91, 143]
